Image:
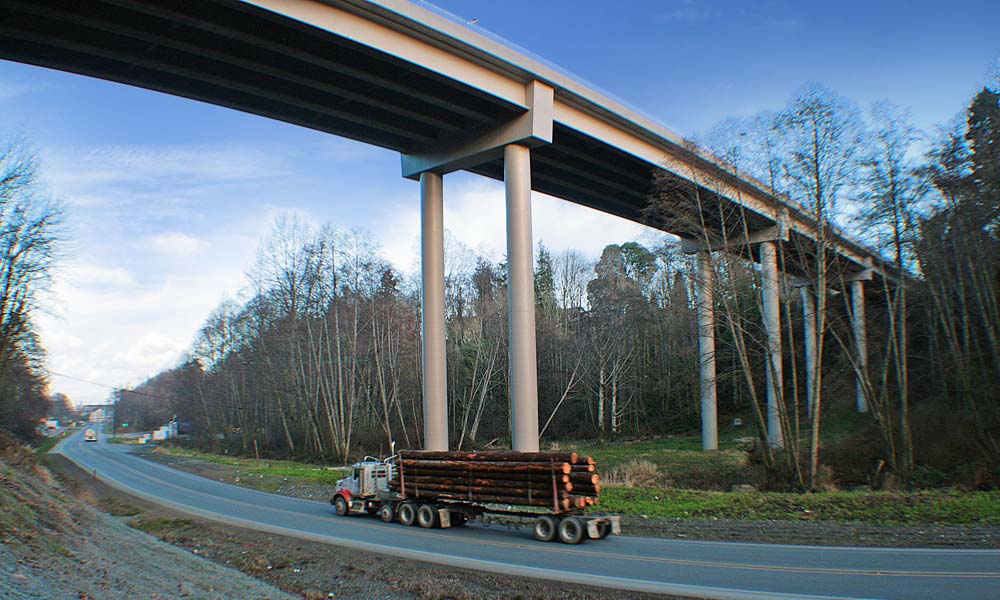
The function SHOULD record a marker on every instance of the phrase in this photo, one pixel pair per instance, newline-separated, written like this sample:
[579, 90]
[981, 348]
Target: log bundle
[562, 481]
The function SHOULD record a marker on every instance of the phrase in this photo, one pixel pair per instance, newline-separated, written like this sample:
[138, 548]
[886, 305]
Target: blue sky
[167, 199]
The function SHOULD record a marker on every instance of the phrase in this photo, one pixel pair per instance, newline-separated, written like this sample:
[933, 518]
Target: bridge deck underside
[238, 56]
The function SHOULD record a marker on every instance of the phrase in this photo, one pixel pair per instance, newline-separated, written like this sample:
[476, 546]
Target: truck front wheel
[407, 513]
[386, 513]
[340, 505]
[427, 516]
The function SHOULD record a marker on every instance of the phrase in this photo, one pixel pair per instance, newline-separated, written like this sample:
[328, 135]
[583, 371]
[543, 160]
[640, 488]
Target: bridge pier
[521, 299]
[772, 325]
[860, 342]
[432, 320]
[704, 283]
[809, 320]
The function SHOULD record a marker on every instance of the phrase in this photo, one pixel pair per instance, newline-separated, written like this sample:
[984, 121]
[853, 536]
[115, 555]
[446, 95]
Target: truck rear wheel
[571, 530]
[427, 516]
[340, 505]
[407, 513]
[546, 528]
[386, 513]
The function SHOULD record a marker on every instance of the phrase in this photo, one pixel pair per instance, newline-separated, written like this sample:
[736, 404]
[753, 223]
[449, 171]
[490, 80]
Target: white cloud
[96, 275]
[116, 330]
[180, 166]
[10, 90]
[175, 244]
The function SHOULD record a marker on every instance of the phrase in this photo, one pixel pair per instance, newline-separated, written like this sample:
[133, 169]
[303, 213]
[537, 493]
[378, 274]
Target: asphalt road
[692, 568]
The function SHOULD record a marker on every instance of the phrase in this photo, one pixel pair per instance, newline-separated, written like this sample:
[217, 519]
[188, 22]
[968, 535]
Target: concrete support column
[772, 325]
[706, 351]
[860, 340]
[809, 317]
[432, 310]
[521, 299]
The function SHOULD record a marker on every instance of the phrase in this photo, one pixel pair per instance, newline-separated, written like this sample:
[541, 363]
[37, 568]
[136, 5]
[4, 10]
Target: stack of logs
[559, 480]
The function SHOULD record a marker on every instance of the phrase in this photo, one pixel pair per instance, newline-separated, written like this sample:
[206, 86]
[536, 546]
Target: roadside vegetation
[637, 487]
[276, 476]
[927, 507]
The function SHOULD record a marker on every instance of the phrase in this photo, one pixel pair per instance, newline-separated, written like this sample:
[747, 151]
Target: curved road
[697, 569]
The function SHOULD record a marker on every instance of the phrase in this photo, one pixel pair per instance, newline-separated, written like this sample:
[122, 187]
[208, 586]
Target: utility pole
[114, 418]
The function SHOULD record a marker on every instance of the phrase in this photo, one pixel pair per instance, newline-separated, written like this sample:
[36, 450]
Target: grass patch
[679, 460]
[940, 507]
[48, 443]
[286, 469]
[118, 508]
[158, 525]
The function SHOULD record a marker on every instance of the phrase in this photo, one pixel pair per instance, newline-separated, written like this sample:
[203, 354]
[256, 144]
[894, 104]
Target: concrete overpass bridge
[447, 98]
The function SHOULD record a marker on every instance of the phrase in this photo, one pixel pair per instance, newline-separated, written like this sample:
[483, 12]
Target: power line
[259, 409]
[105, 385]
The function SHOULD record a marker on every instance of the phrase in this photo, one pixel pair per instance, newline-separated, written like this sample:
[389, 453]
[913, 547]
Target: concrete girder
[532, 128]
[779, 232]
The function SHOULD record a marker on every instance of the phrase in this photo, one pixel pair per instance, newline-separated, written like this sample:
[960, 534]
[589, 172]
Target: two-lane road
[697, 569]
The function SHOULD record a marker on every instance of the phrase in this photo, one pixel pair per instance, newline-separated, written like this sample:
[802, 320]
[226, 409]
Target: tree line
[321, 357]
[29, 242]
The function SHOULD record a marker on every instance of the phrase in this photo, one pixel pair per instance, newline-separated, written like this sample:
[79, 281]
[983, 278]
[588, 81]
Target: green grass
[47, 444]
[271, 468]
[679, 460]
[155, 525]
[941, 507]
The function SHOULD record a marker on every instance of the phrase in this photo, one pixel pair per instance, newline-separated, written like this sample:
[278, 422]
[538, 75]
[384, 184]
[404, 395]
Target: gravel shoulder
[825, 533]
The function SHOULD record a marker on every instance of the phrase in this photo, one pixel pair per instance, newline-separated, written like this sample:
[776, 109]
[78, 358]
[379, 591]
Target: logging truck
[547, 491]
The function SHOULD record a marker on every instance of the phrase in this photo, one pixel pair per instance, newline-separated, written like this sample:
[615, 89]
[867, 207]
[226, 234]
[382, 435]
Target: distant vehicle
[386, 489]
[90, 435]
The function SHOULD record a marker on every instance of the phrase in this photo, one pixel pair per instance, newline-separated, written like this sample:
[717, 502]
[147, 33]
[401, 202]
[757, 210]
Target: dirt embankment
[54, 546]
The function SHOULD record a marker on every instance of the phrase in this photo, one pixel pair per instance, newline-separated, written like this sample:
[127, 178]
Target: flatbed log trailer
[379, 487]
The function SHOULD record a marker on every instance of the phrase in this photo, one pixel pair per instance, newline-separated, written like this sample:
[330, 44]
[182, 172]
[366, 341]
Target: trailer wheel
[571, 530]
[386, 513]
[340, 505]
[407, 513]
[427, 516]
[546, 528]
